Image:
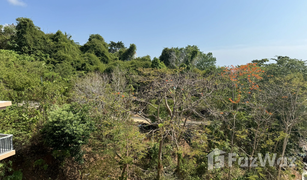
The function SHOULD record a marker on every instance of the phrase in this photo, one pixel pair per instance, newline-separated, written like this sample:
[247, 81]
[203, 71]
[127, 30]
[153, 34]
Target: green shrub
[19, 121]
[156, 63]
[67, 129]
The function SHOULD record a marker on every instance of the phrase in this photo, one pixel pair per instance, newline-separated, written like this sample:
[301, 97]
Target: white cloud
[17, 2]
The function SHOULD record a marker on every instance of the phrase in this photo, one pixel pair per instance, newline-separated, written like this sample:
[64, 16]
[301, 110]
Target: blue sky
[235, 31]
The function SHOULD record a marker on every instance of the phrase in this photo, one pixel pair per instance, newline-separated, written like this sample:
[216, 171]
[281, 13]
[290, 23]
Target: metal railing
[6, 143]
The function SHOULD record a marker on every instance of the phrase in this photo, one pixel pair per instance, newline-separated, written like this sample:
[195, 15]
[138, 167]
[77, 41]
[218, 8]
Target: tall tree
[64, 49]
[168, 57]
[129, 53]
[8, 37]
[204, 61]
[115, 47]
[97, 46]
[288, 99]
[30, 39]
[189, 57]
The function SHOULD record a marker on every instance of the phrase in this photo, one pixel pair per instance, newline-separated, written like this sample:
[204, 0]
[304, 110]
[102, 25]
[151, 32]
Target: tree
[285, 65]
[169, 100]
[245, 120]
[129, 53]
[96, 45]
[115, 47]
[262, 114]
[64, 49]
[189, 57]
[121, 143]
[8, 37]
[289, 99]
[67, 129]
[30, 39]
[116, 138]
[93, 62]
[260, 62]
[143, 59]
[168, 57]
[156, 63]
[204, 61]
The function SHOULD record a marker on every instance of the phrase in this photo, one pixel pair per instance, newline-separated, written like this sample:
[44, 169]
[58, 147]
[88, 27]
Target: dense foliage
[96, 111]
[67, 129]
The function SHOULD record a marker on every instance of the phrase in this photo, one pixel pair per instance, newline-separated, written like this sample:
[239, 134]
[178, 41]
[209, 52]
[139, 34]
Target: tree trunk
[160, 166]
[123, 172]
[125, 168]
[179, 156]
[254, 148]
[282, 154]
[232, 139]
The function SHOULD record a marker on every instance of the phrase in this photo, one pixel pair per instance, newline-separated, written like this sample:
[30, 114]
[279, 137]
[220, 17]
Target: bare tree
[175, 98]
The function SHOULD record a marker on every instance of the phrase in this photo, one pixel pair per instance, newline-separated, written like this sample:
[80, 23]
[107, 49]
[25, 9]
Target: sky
[235, 31]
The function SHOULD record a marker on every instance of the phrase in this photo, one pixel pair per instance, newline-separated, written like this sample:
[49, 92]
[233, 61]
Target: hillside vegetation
[72, 109]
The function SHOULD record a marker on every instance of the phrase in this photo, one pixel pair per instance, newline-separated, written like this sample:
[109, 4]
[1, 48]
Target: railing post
[12, 142]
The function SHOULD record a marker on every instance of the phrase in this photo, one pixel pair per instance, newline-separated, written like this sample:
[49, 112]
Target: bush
[67, 129]
[156, 63]
[19, 121]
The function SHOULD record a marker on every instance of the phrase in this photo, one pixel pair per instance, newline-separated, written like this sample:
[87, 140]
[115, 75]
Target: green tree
[30, 39]
[129, 53]
[144, 58]
[8, 37]
[67, 129]
[64, 49]
[189, 57]
[96, 45]
[285, 66]
[156, 63]
[115, 47]
[260, 62]
[168, 57]
[288, 104]
[93, 62]
[205, 61]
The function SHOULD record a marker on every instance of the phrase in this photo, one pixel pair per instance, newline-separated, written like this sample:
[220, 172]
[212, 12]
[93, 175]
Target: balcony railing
[6, 140]
[6, 143]
[6, 146]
